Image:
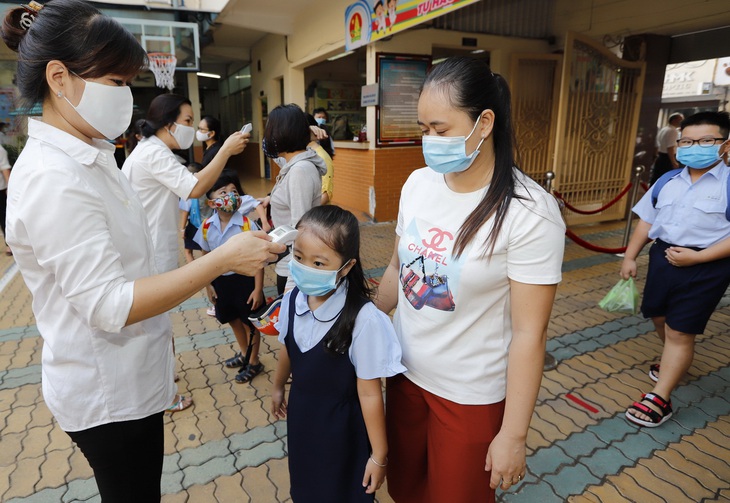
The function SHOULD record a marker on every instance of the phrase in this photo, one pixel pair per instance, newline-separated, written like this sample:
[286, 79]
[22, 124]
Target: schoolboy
[689, 262]
[233, 295]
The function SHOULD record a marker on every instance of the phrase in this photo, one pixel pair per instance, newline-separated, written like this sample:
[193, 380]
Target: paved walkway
[226, 448]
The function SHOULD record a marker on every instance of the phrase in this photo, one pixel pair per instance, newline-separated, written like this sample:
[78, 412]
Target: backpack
[199, 211]
[662, 181]
[206, 224]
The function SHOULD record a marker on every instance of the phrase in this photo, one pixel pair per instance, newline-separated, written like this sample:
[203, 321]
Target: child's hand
[278, 404]
[628, 269]
[374, 476]
[212, 296]
[256, 299]
[682, 257]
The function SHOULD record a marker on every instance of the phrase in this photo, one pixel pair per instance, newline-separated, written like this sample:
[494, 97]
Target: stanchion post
[549, 177]
[638, 170]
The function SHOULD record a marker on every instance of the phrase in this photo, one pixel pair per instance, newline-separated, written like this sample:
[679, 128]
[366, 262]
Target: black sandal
[237, 361]
[247, 373]
[655, 418]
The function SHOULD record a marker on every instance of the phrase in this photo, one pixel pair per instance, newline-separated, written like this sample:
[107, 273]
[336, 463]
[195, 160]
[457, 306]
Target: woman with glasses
[689, 262]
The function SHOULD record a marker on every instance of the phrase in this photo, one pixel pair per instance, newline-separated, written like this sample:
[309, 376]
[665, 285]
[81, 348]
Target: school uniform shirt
[374, 352]
[215, 236]
[456, 333]
[686, 213]
[4, 166]
[80, 238]
[159, 180]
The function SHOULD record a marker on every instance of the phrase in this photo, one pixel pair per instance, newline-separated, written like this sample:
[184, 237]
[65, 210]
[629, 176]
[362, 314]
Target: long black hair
[74, 32]
[339, 229]
[472, 88]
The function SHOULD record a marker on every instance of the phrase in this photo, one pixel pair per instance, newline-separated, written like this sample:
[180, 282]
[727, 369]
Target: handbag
[426, 290]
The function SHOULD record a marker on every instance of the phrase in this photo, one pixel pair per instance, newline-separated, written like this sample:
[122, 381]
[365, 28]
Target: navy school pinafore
[328, 442]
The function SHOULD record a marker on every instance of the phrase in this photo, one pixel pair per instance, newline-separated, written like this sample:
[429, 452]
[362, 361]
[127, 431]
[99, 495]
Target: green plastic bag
[624, 297]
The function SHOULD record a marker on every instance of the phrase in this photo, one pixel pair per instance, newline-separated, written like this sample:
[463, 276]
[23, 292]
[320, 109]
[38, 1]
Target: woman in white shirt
[161, 181]
[476, 263]
[80, 238]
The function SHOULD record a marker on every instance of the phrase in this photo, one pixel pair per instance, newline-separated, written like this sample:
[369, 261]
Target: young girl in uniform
[337, 346]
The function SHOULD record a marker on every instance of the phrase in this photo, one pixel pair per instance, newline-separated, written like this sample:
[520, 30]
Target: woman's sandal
[655, 418]
[237, 361]
[181, 403]
[654, 372]
[249, 372]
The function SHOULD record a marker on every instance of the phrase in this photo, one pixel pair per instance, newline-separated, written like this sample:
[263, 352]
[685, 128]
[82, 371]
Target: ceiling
[242, 23]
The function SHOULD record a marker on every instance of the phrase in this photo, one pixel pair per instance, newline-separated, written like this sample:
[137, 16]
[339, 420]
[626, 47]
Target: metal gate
[598, 114]
[577, 115]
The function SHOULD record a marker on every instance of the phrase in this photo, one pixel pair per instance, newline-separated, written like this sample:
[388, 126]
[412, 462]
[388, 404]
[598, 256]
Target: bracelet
[378, 464]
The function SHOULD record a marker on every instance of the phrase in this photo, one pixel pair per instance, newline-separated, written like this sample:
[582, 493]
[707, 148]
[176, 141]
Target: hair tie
[31, 12]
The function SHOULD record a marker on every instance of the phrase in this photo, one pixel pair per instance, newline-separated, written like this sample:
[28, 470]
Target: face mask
[228, 203]
[108, 109]
[268, 151]
[320, 121]
[699, 157]
[447, 154]
[201, 136]
[314, 282]
[183, 135]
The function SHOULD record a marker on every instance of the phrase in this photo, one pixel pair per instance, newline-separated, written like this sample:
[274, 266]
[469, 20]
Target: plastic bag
[624, 297]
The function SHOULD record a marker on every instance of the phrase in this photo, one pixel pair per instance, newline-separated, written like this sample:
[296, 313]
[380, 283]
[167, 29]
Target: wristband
[378, 464]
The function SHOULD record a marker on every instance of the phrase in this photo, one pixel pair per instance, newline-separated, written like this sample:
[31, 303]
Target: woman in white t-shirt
[473, 275]
[80, 238]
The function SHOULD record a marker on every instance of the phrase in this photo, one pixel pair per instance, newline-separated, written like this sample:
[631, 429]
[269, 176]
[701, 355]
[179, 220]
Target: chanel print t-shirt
[453, 317]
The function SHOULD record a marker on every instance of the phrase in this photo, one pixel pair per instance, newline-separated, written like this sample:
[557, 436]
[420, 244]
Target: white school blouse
[160, 182]
[80, 238]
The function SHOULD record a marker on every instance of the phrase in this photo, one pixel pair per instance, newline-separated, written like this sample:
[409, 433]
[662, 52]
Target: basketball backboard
[174, 37]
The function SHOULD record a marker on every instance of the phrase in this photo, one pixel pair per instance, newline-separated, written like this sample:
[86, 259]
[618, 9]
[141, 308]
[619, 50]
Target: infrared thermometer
[247, 128]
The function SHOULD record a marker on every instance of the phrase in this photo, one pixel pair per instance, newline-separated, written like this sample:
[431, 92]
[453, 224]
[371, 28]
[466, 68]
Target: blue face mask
[447, 154]
[699, 157]
[320, 121]
[314, 282]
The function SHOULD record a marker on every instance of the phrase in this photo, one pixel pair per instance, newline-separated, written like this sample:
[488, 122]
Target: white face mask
[184, 135]
[108, 109]
[201, 136]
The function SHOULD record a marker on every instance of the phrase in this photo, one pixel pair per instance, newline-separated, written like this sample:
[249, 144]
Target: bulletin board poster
[370, 20]
[400, 78]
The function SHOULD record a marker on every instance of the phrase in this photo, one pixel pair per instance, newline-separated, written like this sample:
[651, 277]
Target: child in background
[337, 346]
[233, 295]
[192, 214]
[689, 261]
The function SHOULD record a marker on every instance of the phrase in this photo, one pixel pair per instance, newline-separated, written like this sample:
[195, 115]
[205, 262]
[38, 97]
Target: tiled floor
[226, 448]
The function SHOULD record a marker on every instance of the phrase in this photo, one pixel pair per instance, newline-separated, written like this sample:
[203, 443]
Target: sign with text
[369, 95]
[370, 20]
[400, 78]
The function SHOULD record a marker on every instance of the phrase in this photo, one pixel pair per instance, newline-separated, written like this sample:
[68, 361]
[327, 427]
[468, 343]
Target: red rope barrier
[645, 186]
[585, 244]
[593, 212]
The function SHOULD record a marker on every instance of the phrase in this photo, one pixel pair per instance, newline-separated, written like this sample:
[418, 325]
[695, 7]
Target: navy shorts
[190, 231]
[233, 292]
[685, 296]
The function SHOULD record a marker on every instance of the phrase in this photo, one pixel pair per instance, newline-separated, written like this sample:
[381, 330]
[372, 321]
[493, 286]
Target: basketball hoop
[162, 65]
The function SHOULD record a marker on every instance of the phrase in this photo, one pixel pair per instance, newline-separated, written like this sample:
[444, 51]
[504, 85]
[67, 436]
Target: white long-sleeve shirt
[160, 182]
[80, 237]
